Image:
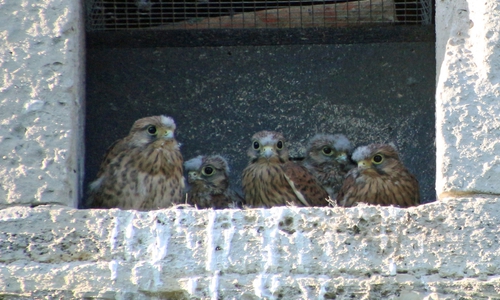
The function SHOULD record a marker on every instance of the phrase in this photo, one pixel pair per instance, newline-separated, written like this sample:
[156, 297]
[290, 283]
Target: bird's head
[210, 170]
[268, 145]
[377, 157]
[156, 129]
[324, 148]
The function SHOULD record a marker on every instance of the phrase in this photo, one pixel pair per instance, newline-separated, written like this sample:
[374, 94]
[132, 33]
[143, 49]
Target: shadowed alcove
[372, 82]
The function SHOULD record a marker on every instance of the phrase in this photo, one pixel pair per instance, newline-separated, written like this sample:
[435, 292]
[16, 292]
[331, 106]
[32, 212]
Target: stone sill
[441, 250]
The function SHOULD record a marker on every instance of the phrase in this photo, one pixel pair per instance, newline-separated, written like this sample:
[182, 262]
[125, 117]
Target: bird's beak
[169, 134]
[192, 176]
[342, 158]
[267, 151]
[363, 164]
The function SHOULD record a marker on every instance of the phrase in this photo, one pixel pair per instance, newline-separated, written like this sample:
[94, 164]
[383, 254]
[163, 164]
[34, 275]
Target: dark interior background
[373, 86]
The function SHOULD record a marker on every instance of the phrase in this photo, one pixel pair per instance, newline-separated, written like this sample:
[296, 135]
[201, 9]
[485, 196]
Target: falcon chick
[380, 178]
[327, 158]
[142, 171]
[209, 180]
[270, 179]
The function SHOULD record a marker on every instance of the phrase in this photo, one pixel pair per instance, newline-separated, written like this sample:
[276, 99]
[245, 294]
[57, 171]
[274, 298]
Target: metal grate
[213, 14]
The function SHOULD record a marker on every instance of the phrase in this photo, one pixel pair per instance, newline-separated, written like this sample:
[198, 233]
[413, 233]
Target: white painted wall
[41, 102]
[443, 250]
[467, 111]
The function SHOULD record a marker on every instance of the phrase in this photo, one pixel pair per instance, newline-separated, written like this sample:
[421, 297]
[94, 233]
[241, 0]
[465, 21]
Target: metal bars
[216, 14]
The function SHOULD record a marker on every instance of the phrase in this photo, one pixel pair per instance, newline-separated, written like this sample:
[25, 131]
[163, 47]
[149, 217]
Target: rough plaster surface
[41, 90]
[442, 250]
[468, 87]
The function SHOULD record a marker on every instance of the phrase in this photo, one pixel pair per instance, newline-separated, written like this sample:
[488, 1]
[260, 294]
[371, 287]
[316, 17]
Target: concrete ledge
[443, 250]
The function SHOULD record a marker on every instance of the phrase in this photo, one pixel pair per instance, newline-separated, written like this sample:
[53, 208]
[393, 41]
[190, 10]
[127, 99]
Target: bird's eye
[279, 145]
[207, 171]
[377, 159]
[256, 145]
[152, 130]
[327, 151]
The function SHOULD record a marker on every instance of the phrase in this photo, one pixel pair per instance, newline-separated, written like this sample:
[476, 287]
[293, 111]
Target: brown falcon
[142, 171]
[327, 158]
[209, 180]
[380, 178]
[270, 179]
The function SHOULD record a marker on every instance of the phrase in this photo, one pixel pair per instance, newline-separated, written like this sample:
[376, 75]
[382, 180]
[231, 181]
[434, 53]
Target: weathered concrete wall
[468, 87]
[442, 250]
[41, 97]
